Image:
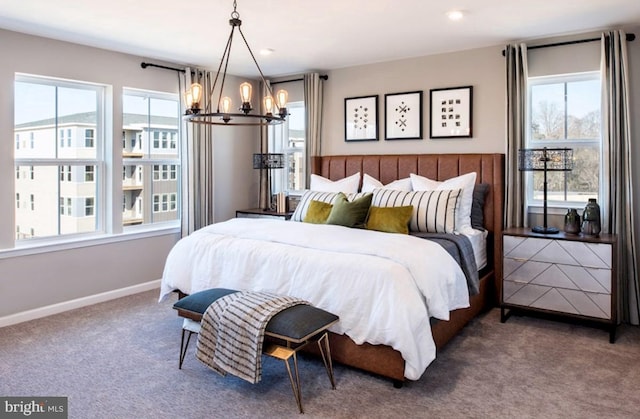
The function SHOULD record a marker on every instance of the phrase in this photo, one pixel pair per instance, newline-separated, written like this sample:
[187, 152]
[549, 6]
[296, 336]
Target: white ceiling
[306, 35]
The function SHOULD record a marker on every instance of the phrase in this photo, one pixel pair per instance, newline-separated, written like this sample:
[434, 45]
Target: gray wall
[32, 280]
[481, 68]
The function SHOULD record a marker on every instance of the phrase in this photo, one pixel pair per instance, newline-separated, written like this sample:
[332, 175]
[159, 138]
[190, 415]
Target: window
[89, 173]
[54, 109]
[17, 172]
[17, 200]
[88, 206]
[17, 141]
[289, 138]
[88, 137]
[564, 111]
[153, 119]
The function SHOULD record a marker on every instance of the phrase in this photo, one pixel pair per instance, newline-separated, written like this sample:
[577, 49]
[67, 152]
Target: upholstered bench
[288, 331]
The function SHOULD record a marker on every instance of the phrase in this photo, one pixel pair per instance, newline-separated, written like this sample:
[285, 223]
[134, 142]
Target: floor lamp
[266, 162]
[545, 160]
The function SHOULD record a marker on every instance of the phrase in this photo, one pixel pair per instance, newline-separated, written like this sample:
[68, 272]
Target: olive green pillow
[350, 214]
[390, 219]
[318, 212]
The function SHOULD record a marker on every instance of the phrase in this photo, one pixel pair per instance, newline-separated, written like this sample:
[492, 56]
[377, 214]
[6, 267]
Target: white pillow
[347, 185]
[370, 183]
[433, 211]
[327, 197]
[465, 182]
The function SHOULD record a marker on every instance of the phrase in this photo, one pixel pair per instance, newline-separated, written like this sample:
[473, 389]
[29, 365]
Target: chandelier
[275, 108]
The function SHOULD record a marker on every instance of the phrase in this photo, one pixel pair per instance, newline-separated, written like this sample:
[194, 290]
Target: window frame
[98, 160]
[530, 201]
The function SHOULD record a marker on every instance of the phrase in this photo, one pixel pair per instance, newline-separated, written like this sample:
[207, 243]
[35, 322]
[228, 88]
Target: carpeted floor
[119, 359]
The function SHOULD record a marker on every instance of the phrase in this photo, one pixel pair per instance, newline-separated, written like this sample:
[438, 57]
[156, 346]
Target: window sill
[26, 249]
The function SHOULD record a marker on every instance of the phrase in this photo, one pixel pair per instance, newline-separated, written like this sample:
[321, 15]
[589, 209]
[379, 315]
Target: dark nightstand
[261, 213]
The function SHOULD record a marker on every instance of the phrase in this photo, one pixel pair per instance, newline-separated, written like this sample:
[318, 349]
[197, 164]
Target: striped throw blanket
[232, 332]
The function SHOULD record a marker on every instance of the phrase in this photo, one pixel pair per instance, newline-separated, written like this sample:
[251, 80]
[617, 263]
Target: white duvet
[384, 286]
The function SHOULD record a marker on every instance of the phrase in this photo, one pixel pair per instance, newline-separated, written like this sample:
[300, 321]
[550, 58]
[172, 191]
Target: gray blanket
[232, 332]
[459, 247]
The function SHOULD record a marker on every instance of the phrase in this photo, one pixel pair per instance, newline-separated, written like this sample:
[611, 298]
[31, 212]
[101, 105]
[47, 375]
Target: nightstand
[563, 275]
[261, 213]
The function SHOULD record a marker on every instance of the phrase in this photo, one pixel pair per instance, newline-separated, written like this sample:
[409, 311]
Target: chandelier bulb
[268, 105]
[225, 104]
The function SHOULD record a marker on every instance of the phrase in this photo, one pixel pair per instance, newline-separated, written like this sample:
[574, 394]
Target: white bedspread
[383, 286]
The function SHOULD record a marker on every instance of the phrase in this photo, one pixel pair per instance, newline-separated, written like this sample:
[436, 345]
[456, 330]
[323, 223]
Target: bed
[192, 266]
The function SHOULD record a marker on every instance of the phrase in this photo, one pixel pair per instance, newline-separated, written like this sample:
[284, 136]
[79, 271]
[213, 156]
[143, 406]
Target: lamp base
[545, 230]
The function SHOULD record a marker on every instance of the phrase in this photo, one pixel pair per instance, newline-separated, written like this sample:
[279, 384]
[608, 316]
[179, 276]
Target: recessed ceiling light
[266, 51]
[455, 14]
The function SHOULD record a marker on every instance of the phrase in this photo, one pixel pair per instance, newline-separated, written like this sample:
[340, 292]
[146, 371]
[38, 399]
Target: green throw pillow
[350, 214]
[390, 219]
[318, 212]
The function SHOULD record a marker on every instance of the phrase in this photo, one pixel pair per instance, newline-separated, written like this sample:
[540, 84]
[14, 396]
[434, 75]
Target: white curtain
[516, 61]
[313, 97]
[618, 212]
[197, 160]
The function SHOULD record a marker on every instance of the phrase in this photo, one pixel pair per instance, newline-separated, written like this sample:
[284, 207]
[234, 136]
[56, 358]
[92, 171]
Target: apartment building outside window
[151, 159]
[51, 113]
[289, 138]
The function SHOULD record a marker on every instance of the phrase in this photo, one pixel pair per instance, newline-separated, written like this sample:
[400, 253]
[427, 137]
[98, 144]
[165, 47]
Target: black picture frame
[451, 111]
[361, 118]
[403, 115]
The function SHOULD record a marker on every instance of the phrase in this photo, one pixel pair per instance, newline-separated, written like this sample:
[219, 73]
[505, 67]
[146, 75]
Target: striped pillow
[433, 211]
[326, 197]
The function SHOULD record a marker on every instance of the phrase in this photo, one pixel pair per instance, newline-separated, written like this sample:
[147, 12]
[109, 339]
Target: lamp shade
[550, 159]
[268, 161]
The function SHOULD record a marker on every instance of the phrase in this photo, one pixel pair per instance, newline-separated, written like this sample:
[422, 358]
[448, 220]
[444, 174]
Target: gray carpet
[119, 359]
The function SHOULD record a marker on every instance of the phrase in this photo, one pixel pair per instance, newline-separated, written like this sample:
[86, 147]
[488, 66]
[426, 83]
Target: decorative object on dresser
[361, 118]
[451, 112]
[403, 116]
[266, 162]
[572, 221]
[591, 219]
[545, 160]
[567, 276]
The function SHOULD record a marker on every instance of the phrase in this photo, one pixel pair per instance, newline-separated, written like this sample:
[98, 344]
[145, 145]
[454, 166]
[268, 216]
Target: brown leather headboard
[387, 168]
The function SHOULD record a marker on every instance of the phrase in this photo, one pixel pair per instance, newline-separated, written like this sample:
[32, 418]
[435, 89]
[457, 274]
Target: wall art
[361, 118]
[451, 112]
[403, 116]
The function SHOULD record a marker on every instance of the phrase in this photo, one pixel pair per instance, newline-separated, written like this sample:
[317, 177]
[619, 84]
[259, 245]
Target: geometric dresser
[561, 274]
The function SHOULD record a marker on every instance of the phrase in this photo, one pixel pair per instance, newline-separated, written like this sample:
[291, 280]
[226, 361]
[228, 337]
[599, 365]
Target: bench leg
[184, 345]
[295, 384]
[326, 358]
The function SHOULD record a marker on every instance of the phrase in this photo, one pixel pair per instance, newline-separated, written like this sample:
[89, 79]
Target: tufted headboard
[390, 167]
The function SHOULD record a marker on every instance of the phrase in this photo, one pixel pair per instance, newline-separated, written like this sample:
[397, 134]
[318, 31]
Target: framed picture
[403, 116]
[361, 118]
[451, 112]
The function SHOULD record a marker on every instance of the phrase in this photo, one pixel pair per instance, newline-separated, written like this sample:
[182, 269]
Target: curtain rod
[145, 65]
[322, 76]
[630, 37]
[181, 70]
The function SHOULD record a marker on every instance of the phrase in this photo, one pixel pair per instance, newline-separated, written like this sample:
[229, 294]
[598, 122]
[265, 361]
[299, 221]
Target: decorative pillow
[347, 185]
[389, 219]
[370, 183]
[350, 214]
[326, 197]
[318, 212]
[465, 182]
[433, 211]
[477, 206]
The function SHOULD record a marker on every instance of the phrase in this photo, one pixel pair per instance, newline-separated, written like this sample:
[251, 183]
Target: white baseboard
[77, 303]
